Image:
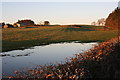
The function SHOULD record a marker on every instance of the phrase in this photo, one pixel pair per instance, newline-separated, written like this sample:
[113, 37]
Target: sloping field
[18, 38]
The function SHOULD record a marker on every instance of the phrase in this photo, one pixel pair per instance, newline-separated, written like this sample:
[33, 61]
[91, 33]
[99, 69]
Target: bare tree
[93, 23]
[101, 22]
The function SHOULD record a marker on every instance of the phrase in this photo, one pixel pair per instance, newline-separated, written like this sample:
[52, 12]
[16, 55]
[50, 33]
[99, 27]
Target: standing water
[40, 55]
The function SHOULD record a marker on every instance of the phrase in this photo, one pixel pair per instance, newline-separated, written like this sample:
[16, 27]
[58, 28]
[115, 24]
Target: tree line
[99, 22]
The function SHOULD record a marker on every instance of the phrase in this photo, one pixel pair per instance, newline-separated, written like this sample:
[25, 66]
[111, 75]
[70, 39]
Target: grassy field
[19, 38]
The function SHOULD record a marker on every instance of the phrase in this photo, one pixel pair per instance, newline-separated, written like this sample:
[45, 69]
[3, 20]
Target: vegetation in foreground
[20, 38]
[102, 61]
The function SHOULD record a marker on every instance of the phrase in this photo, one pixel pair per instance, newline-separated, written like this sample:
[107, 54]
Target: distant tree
[3, 24]
[93, 23]
[98, 22]
[46, 23]
[101, 22]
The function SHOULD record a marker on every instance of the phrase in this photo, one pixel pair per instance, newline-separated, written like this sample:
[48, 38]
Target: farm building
[23, 23]
[16, 25]
[8, 26]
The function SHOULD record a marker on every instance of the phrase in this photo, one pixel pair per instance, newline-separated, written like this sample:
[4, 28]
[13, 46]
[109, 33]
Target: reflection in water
[17, 55]
[53, 53]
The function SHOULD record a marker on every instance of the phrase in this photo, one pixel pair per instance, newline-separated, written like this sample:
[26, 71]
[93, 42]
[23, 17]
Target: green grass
[18, 38]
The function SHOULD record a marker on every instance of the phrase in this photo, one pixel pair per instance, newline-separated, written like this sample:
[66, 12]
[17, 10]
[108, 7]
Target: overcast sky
[57, 12]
